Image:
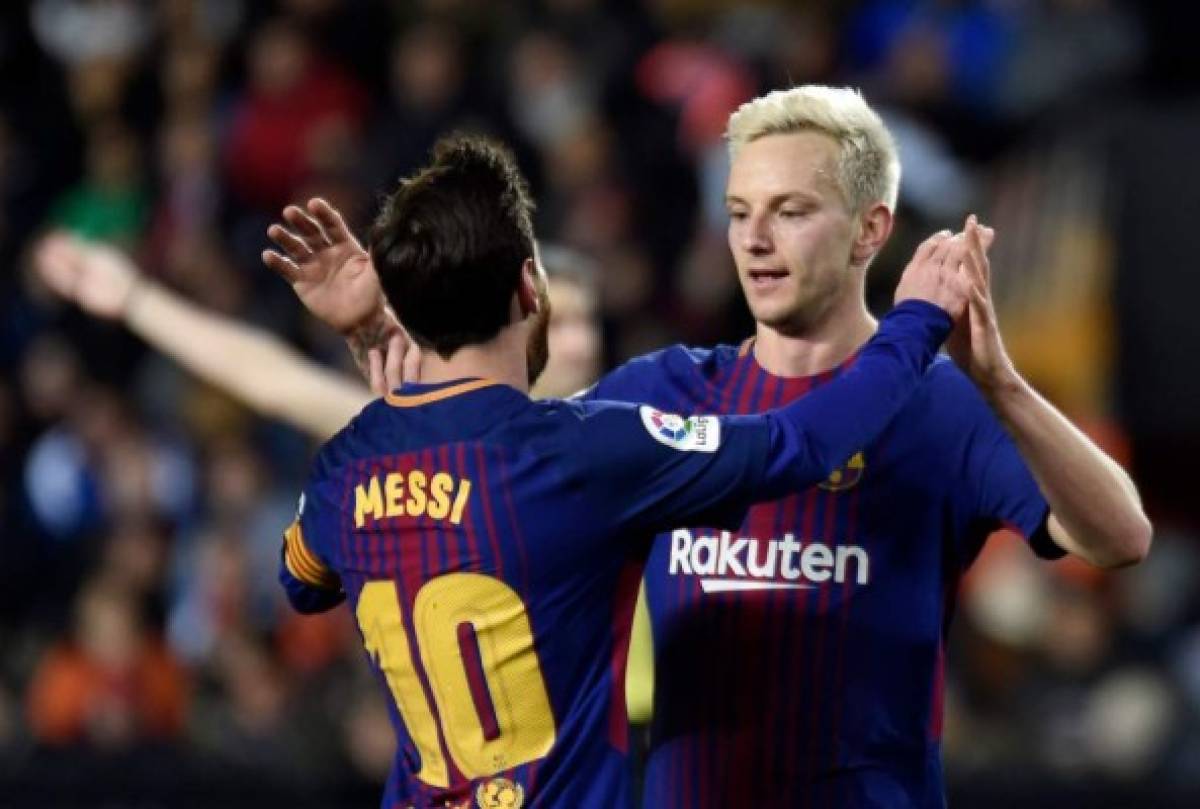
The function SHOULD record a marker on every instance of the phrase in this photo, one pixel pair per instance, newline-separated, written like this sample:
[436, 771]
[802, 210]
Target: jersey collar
[412, 394]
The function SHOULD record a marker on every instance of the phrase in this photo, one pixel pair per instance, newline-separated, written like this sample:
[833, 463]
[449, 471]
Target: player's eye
[737, 216]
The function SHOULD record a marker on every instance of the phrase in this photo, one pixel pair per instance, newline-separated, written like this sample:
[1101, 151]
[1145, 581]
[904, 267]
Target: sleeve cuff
[1040, 541]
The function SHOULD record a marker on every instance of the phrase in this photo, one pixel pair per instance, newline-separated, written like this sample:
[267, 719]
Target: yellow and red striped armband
[303, 563]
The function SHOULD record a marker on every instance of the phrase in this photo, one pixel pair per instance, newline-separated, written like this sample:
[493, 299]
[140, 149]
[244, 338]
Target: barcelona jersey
[490, 548]
[799, 657]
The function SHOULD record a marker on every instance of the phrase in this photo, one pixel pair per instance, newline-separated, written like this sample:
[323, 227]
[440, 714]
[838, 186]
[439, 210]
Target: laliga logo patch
[670, 426]
[695, 433]
[500, 793]
[847, 476]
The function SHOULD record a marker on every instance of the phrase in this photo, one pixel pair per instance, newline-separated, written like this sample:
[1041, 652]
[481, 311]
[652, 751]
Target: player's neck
[501, 359]
[827, 345]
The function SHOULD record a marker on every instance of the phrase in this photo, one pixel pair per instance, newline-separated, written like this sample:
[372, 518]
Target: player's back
[492, 594]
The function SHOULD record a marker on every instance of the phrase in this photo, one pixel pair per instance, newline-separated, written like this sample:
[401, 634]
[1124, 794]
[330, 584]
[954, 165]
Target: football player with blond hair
[800, 658]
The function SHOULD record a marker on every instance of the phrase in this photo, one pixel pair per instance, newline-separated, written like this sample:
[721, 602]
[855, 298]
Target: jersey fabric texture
[799, 657]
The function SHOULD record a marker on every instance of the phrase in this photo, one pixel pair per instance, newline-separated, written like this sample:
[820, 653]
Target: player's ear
[874, 227]
[527, 289]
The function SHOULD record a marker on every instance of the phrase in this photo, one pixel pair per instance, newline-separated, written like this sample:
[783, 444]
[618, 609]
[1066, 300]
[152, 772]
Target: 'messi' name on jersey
[439, 496]
[747, 563]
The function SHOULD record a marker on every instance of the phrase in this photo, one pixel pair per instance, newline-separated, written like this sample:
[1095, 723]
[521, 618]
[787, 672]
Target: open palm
[328, 269]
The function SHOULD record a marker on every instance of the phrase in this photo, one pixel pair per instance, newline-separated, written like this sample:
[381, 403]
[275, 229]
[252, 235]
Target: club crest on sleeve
[846, 476]
[694, 433]
[500, 793]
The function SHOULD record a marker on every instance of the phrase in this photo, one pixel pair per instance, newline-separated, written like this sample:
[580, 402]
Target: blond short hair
[868, 166]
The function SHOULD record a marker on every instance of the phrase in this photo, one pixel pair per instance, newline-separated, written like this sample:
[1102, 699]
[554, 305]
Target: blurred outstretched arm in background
[250, 364]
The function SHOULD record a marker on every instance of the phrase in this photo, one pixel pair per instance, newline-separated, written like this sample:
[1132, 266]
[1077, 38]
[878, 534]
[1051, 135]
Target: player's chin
[772, 310]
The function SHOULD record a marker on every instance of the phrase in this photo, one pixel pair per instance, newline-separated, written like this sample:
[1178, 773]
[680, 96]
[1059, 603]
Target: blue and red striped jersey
[799, 657]
[490, 549]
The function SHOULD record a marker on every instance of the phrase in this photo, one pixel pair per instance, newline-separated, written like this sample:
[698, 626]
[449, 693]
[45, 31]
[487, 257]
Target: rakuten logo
[747, 563]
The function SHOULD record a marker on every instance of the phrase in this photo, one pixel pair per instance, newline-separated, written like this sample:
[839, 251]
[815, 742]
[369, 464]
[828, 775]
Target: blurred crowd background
[147, 657]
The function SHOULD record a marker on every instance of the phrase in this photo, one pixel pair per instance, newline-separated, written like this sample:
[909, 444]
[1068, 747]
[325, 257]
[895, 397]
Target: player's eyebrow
[777, 199]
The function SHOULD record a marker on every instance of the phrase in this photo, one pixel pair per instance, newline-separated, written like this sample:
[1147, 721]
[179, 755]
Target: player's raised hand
[934, 274]
[327, 267]
[99, 278]
[975, 344]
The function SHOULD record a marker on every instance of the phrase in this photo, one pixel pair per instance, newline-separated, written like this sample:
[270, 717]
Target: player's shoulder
[576, 414]
[949, 396]
[672, 364]
[354, 441]
[681, 357]
[946, 378]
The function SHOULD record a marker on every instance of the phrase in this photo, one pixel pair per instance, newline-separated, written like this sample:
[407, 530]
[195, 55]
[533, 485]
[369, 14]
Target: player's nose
[756, 235]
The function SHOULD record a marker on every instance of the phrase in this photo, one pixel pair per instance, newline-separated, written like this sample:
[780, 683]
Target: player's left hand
[975, 344]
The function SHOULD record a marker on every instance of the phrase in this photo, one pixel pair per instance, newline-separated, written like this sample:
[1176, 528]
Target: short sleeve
[311, 583]
[1002, 490]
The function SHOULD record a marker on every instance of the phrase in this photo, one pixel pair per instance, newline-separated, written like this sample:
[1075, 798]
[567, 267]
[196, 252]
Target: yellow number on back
[382, 626]
[514, 678]
[516, 689]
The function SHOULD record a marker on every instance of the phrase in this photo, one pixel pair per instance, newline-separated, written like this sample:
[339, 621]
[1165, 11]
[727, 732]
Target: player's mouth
[766, 279]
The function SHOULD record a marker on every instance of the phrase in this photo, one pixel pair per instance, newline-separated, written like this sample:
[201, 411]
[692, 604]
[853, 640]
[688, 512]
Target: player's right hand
[935, 274]
[99, 278]
[327, 267]
[397, 361]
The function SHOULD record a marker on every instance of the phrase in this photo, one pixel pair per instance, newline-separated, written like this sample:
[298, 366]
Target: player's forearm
[1093, 500]
[254, 367]
[818, 433]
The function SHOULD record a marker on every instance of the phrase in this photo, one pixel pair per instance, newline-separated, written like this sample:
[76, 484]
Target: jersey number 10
[476, 646]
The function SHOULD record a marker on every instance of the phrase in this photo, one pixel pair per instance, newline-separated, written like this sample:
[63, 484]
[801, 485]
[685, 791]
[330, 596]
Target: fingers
[375, 375]
[954, 282]
[945, 252]
[411, 369]
[292, 244]
[390, 367]
[393, 369]
[981, 310]
[987, 236]
[965, 286]
[305, 225]
[330, 219]
[977, 263]
[281, 265]
[926, 248]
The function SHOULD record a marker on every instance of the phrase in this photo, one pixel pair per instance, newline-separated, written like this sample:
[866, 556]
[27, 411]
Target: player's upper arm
[654, 470]
[305, 570]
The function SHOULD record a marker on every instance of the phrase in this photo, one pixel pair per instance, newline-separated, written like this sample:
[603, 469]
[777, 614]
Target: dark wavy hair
[450, 242]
